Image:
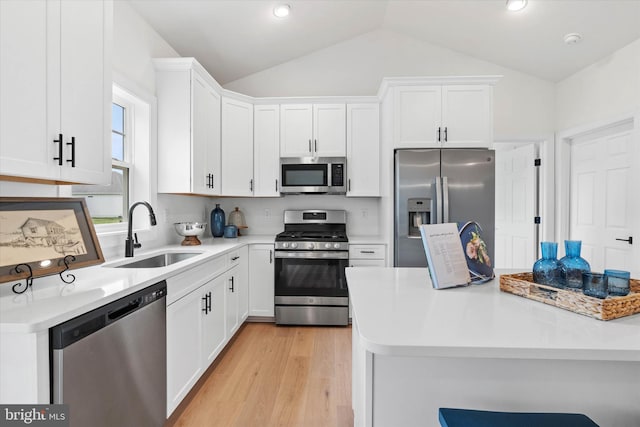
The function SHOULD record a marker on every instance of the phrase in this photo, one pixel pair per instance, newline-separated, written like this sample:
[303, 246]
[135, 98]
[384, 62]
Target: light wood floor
[277, 376]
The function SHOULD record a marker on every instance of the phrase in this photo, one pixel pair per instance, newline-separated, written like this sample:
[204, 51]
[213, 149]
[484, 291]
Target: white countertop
[398, 313]
[366, 240]
[50, 301]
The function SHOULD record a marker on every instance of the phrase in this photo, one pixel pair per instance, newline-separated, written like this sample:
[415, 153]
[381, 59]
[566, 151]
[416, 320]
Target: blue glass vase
[546, 270]
[572, 265]
[217, 221]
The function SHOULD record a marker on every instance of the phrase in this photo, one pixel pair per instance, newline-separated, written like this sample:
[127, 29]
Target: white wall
[604, 90]
[523, 105]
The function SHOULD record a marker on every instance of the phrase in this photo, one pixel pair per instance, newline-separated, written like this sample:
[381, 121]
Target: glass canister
[572, 265]
[237, 218]
[546, 270]
[217, 221]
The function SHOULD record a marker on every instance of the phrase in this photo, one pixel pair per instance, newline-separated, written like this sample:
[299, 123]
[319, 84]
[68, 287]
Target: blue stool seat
[470, 418]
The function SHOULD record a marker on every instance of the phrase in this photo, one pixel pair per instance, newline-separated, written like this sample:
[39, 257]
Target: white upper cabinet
[55, 79]
[443, 116]
[266, 150]
[363, 150]
[329, 130]
[312, 130]
[237, 147]
[188, 128]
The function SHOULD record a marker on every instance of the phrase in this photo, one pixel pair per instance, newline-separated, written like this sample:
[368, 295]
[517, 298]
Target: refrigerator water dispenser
[419, 213]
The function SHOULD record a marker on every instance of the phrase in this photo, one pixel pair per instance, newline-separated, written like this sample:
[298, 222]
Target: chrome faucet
[130, 244]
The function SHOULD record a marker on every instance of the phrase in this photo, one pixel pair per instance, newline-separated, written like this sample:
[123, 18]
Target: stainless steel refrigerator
[441, 185]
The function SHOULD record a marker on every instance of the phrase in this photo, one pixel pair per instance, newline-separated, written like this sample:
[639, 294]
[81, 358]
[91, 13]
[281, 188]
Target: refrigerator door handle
[438, 202]
[445, 199]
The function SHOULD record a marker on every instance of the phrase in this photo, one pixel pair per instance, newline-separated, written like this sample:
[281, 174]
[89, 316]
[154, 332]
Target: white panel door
[466, 116]
[329, 130]
[205, 135]
[212, 314]
[363, 150]
[85, 90]
[237, 148]
[261, 280]
[231, 301]
[266, 150]
[296, 130]
[515, 207]
[417, 116]
[26, 147]
[602, 192]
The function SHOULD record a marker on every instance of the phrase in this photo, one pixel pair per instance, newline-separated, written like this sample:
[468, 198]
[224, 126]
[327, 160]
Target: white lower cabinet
[261, 280]
[366, 256]
[201, 322]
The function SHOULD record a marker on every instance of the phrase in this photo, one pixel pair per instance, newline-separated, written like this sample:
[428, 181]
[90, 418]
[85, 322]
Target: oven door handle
[313, 254]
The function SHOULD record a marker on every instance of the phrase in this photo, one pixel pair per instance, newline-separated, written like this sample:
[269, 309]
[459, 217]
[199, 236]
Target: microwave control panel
[337, 174]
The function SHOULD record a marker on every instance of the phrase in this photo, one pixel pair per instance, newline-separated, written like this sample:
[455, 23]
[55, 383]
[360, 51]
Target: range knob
[294, 245]
[336, 245]
[285, 245]
[310, 245]
[327, 245]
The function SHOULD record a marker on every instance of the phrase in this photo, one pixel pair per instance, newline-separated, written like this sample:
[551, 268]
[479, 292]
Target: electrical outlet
[365, 213]
[267, 213]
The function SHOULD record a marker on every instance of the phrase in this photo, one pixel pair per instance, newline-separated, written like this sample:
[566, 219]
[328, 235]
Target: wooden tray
[522, 284]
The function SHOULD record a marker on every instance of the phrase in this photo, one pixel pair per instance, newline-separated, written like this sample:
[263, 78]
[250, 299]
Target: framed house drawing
[41, 232]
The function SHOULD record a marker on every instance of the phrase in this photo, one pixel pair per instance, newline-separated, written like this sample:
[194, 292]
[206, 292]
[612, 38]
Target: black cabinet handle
[315, 144]
[445, 134]
[206, 305]
[251, 185]
[276, 185]
[270, 257]
[209, 297]
[629, 240]
[367, 252]
[232, 285]
[309, 146]
[235, 258]
[73, 152]
[349, 185]
[438, 133]
[59, 142]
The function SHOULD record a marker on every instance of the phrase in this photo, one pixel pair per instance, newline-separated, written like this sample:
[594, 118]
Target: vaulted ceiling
[236, 38]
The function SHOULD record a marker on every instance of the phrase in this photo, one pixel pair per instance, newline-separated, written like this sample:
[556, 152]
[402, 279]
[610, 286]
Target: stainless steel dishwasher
[109, 365]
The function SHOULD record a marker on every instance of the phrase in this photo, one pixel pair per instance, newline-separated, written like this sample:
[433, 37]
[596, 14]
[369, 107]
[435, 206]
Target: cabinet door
[261, 281]
[205, 178]
[237, 148]
[296, 130]
[363, 150]
[329, 130]
[184, 349]
[213, 329]
[26, 146]
[466, 116]
[417, 115]
[85, 90]
[266, 150]
[242, 284]
[231, 298]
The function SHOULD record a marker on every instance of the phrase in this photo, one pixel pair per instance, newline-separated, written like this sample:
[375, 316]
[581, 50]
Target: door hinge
[536, 220]
[537, 162]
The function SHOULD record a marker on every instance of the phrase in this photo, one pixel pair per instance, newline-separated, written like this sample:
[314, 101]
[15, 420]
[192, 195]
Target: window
[108, 204]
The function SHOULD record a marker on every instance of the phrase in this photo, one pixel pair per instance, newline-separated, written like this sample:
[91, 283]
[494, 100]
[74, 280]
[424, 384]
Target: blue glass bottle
[217, 221]
[546, 270]
[572, 265]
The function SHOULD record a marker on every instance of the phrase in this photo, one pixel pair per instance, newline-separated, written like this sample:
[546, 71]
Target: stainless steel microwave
[309, 175]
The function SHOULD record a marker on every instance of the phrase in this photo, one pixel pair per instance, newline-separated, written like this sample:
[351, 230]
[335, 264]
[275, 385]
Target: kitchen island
[416, 349]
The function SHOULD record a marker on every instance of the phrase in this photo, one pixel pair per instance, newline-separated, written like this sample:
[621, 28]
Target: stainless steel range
[310, 257]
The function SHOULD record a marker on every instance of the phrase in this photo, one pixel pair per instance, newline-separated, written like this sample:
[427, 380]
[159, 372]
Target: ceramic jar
[572, 265]
[546, 270]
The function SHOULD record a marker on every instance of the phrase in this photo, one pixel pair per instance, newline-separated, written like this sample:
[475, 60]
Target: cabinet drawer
[366, 252]
[366, 263]
[236, 257]
[189, 280]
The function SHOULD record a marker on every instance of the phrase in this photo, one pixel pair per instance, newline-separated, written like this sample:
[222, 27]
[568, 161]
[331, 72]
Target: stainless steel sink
[160, 260]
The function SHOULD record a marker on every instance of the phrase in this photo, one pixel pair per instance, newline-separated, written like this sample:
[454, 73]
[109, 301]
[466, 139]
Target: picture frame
[41, 233]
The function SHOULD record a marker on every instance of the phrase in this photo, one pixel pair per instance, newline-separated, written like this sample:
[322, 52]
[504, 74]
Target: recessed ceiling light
[282, 10]
[572, 38]
[516, 5]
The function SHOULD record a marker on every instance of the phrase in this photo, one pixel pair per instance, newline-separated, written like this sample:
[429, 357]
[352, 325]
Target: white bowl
[190, 228]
